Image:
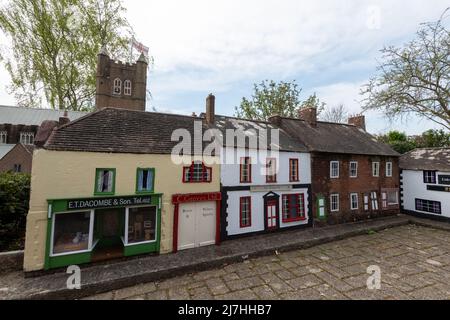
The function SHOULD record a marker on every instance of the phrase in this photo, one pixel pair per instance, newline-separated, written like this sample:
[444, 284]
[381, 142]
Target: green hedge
[14, 202]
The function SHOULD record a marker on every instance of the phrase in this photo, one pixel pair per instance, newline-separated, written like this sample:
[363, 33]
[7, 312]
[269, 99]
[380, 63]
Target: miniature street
[414, 263]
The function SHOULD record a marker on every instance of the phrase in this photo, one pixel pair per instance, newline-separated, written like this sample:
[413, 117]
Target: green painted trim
[70, 259]
[48, 243]
[140, 249]
[319, 217]
[98, 193]
[60, 205]
[153, 182]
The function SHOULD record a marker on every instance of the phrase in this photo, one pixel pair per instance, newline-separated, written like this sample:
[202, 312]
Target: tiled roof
[253, 129]
[426, 159]
[32, 116]
[335, 138]
[123, 131]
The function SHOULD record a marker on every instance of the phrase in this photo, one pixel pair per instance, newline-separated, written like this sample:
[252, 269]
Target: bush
[14, 202]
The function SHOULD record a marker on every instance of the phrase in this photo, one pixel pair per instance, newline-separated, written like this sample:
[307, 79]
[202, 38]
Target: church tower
[121, 85]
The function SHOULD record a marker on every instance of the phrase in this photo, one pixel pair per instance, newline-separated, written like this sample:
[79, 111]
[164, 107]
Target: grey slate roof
[426, 159]
[5, 149]
[125, 131]
[33, 116]
[252, 129]
[335, 138]
[122, 131]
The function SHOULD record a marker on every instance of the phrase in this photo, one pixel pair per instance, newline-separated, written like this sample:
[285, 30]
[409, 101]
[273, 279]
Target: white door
[271, 214]
[197, 225]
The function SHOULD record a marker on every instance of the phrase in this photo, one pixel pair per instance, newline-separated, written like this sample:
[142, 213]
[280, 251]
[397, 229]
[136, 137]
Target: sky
[225, 46]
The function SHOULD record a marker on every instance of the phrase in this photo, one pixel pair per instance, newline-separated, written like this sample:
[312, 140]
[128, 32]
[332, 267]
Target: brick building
[18, 130]
[354, 177]
[121, 85]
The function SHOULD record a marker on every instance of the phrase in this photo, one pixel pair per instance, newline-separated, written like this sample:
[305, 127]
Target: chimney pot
[210, 108]
[275, 120]
[358, 121]
[64, 119]
[308, 114]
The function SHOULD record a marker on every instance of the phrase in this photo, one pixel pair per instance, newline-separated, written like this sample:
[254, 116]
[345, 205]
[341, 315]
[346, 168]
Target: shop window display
[71, 232]
[141, 224]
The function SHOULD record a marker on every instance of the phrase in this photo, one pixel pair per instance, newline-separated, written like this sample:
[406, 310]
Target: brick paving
[414, 263]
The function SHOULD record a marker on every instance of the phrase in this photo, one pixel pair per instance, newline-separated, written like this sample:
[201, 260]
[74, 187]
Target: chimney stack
[308, 114]
[358, 121]
[64, 119]
[210, 106]
[275, 120]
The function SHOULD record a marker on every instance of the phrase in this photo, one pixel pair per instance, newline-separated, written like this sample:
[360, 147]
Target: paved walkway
[147, 269]
[414, 263]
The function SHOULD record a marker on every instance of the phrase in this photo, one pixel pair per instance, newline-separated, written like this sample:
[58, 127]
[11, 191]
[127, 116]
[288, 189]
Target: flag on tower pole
[139, 47]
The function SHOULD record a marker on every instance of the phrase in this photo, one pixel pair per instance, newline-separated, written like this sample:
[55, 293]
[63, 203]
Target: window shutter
[140, 180]
[149, 180]
[100, 182]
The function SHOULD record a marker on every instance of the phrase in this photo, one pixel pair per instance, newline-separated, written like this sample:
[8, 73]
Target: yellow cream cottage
[106, 186]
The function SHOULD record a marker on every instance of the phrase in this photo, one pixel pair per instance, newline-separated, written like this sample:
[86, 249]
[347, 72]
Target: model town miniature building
[18, 129]
[353, 176]
[425, 182]
[106, 185]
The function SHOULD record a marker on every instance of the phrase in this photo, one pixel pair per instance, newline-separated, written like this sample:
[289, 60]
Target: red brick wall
[18, 155]
[365, 183]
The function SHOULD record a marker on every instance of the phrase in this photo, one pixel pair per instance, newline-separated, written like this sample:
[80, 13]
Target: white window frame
[396, 198]
[127, 87]
[3, 137]
[125, 238]
[375, 169]
[351, 201]
[117, 84]
[366, 202]
[27, 138]
[374, 200]
[389, 169]
[356, 169]
[91, 243]
[336, 196]
[331, 169]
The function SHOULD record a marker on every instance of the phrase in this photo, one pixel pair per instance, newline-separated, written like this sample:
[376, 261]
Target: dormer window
[127, 88]
[3, 136]
[117, 89]
[27, 138]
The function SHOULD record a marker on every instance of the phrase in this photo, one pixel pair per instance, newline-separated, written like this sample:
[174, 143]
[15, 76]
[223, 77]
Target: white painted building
[263, 191]
[425, 182]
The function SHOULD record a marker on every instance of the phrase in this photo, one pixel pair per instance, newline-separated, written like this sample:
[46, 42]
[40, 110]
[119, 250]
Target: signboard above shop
[103, 202]
[444, 179]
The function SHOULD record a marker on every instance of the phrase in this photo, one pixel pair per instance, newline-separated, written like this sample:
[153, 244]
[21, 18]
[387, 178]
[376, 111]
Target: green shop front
[95, 229]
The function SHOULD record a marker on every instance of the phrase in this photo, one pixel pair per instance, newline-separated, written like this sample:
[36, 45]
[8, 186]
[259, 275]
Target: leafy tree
[14, 198]
[314, 101]
[398, 141]
[433, 139]
[275, 98]
[414, 79]
[55, 45]
[338, 114]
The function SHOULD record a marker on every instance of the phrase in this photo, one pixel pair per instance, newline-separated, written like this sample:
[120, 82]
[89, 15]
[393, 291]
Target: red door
[272, 216]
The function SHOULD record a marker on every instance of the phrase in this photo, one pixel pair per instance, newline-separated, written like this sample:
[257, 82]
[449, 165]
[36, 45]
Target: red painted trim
[297, 178]
[175, 228]
[242, 163]
[204, 169]
[301, 218]
[194, 197]
[218, 206]
[241, 200]
[274, 160]
[272, 203]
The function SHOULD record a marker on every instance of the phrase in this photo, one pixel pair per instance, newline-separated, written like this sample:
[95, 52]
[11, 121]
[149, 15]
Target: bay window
[293, 207]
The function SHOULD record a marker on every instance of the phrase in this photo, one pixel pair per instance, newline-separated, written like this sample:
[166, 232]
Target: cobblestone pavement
[414, 263]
